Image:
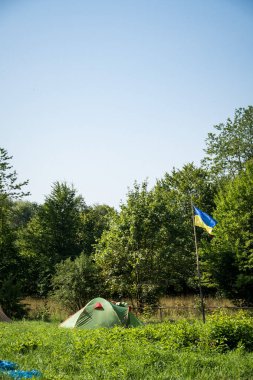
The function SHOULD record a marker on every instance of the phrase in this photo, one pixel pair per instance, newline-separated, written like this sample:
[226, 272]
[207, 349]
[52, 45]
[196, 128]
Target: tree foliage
[10, 263]
[9, 185]
[52, 235]
[229, 257]
[95, 220]
[149, 248]
[76, 282]
[231, 146]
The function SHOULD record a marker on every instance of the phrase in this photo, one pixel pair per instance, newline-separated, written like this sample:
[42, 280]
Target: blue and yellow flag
[201, 219]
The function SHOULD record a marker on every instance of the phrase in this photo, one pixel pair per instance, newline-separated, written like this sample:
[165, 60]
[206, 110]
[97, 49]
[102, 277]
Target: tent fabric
[109, 315]
[3, 316]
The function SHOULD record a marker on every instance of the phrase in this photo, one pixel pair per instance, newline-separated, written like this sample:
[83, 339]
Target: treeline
[69, 250]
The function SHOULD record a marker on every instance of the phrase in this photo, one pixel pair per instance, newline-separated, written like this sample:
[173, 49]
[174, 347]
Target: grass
[178, 307]
[42, 309]
[172, 308]
[222, 349]
[192, 300]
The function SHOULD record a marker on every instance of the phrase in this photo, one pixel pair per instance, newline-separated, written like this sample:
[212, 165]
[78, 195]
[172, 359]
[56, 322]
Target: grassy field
[186, 349]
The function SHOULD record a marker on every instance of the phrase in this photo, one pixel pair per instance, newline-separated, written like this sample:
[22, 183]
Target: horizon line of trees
[68, 250]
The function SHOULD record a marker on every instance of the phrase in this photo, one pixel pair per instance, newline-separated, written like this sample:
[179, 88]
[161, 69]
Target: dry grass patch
[45, 309]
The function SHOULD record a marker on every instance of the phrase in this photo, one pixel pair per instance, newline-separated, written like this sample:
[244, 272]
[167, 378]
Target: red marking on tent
[98, 306]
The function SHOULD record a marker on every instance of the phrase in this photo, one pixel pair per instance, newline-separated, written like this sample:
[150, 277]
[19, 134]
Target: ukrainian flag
[201, 219]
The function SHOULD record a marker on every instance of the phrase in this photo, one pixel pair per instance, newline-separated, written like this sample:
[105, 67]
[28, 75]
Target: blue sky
[102, 93]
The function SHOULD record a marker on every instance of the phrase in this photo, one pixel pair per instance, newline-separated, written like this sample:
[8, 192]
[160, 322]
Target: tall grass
[178, 307]
[192, 300]
[46, 310]
[222, 349]
[170, 308]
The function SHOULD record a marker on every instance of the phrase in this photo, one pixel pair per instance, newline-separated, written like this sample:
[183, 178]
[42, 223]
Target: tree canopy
[231, 146]
[10, 262]
[229, 257]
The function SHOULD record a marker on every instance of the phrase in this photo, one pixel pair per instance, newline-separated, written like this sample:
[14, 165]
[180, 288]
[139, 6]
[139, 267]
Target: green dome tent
[101, 313]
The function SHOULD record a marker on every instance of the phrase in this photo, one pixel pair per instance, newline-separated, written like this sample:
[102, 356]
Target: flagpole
[198, 268]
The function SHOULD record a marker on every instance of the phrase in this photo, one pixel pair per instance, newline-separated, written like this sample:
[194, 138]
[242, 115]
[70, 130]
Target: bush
[76, 282]
[226, 332]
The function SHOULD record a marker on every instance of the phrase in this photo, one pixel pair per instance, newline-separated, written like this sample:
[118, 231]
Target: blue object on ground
[10, 369]
[18, 374]
[6, 366]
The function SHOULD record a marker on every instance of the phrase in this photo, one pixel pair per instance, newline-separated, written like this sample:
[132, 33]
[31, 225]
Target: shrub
[76, 282]
[226, 332]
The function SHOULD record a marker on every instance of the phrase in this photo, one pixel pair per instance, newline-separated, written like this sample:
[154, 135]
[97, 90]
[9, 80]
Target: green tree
[61, 219]
[231, 146]
[9, 185]
[149, 248]
[10, 262]
[52, 235]
[75, 282]
[179, 189]
[189, 182]
[95, 220]
[229, 257]
[22, 212]
[127, 253]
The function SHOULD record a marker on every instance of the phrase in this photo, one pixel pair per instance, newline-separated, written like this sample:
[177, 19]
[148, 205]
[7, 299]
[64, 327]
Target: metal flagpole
[198, 269]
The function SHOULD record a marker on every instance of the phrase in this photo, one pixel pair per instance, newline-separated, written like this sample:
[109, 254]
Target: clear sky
[105, 92]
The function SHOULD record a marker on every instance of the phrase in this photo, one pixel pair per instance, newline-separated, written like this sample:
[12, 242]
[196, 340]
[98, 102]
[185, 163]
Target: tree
[95, 220]
[52, 235]
[75, 282]
[231, 147]
[229, 257]
[9, 187]
[186, 183]
[126, 253]
[179, 189]
[146, 251]
[22, 212]
[61, 218]
[10, 263]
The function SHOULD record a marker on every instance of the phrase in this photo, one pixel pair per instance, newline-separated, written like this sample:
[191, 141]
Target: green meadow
[185, 349]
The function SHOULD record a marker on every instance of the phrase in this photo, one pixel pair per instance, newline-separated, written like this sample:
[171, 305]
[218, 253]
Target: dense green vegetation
[73, 251]
[220, 349]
